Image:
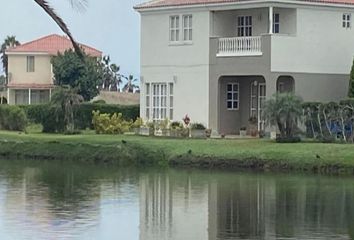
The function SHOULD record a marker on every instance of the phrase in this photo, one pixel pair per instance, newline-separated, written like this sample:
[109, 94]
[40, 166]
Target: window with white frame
[30, 63]
[187, 27]
[347, 19]
[276, 23]
[244, 26]
[174, 28]
[147, 100]
[159, 101]
[171, 100]
[232, 98]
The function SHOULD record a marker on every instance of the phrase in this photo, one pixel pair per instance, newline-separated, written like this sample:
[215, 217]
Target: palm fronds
[60, 22]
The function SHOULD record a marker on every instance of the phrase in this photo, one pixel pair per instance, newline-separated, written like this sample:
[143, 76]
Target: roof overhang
[27, 53]
[216, 5]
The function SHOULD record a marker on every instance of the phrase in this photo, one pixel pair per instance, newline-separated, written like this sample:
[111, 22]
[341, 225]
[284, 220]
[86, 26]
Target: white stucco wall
[321, 44]
[186, 65]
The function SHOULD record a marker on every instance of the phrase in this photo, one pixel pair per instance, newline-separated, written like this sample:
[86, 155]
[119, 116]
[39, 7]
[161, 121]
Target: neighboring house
[218, 60]
[31, 79]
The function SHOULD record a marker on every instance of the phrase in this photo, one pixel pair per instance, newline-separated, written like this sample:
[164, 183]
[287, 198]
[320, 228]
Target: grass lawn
[298, 154]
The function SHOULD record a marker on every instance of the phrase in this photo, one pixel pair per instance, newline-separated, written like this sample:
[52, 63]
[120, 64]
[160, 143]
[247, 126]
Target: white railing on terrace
[240, 46]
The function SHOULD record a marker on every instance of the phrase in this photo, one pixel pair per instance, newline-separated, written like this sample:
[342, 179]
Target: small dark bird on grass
[124, 142]
[189, 151]
[318, 156]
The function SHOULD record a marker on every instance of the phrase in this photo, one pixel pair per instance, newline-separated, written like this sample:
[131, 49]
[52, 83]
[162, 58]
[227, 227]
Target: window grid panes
[147, 103]
[171, 100]
[276, 23]
[174, 28]
[159, 105]
[232, 94]
[30, 63]
[346, 20]
[244, 26]
[187, 27]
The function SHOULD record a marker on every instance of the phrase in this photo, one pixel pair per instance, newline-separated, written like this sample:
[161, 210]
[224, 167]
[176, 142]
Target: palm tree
[66, 99]
[130, 86]
[9, 42]
[59, 21]
[285, 111]
[110, 74]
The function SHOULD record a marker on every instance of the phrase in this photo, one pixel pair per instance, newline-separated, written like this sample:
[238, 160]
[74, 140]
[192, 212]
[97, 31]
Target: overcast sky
[111, 26]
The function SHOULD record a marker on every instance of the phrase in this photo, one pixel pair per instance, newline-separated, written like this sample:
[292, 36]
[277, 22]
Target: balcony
[239, 46]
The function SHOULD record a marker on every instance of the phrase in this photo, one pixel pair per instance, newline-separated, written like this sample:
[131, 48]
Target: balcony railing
[240, 46]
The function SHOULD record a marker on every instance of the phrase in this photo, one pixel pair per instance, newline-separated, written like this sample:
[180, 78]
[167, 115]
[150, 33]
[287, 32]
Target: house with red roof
[31, 79]
[219, 60]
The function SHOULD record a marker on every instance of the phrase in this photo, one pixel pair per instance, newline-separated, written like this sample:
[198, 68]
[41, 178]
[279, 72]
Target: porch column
[8, 95]
[270, 20]
[50, 94]
[29, 96]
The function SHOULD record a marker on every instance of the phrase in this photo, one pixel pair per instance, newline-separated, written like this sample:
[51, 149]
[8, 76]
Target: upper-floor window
[276, 23]
[244, 26]
[187, 28]
[232, 98]
[174, 28]
[30, 63]
[347, 19]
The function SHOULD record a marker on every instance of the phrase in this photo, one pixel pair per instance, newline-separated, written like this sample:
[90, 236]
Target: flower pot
[198, 133]
[145, 131]
[165, 132]
[243, 133]
[208, 133]
[136, 131]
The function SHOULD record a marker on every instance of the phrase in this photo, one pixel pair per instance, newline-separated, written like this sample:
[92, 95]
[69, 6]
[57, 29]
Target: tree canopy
[82, 74]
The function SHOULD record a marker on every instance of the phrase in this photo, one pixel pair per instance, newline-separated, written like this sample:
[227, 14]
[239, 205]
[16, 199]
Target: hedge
[53, 120]
[12, 118]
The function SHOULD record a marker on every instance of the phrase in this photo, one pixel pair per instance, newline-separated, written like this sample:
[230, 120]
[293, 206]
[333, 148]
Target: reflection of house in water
[173, 206]
[242, 206]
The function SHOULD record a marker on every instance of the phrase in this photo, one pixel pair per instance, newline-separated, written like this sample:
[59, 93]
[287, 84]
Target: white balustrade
[240, 46]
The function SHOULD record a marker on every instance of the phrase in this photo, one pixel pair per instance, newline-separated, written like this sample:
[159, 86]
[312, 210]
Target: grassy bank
[211, 153]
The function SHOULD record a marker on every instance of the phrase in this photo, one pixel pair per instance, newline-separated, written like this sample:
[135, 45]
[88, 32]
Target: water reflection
[66, 201]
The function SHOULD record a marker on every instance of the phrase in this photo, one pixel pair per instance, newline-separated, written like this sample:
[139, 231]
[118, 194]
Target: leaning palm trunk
[59, 21]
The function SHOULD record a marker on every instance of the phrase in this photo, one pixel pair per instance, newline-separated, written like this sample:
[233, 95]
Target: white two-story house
[219, 60]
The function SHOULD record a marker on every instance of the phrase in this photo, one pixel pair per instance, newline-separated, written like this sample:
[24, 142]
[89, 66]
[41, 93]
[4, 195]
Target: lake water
[44, 200]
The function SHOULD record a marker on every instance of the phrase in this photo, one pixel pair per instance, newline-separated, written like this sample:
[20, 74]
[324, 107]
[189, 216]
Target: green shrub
[12, 118]
[83, 115]
[49, 116]
[110, 124]
[100, 101]
[52, 119]
[198, 126]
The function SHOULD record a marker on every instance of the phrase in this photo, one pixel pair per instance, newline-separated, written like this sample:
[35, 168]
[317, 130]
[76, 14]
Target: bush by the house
[197, 126]
[285, 111]
[12, 118]
[52, 118]
[83, 115]
[110, 123]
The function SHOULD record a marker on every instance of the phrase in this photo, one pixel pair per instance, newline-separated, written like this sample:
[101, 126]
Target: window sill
[184, 43]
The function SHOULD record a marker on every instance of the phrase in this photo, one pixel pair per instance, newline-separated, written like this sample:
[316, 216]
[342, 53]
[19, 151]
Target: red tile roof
[52, 44]
[175, 3]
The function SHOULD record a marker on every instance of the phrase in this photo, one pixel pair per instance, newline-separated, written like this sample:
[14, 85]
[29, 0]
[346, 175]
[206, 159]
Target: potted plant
[164, 127]
[208, 132]
[176, 129]
[198, 130]
[253, 126]
[137, 125]
[243, 131]
[147, 129]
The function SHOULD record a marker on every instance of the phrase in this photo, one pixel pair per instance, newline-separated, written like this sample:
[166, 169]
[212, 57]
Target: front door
[258, 97]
